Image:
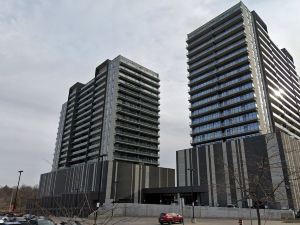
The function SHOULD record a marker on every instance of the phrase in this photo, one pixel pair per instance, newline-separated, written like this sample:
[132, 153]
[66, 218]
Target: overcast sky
[46, 46]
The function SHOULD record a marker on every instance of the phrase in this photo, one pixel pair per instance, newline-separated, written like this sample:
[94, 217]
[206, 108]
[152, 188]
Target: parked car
[40, 221]
[9, 221]
[170, 218]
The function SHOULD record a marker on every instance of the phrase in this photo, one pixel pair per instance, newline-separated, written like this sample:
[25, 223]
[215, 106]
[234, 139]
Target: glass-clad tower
[240, 82]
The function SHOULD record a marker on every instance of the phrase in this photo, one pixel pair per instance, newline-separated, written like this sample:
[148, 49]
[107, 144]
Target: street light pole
[192, 186]
[99, 187]
[16, 196]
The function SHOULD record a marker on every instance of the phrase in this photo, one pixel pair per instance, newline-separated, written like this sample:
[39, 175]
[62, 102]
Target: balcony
[234, 29]
[154, 100]
[80, 138]
[218, 31]
[71, 98]
[139, 76]
[136, 129]
[96, 124]
[85, 125]
[86, 88]
[233, 73]
[136, 144]
[138, 101]
[223, 95]
[82, 107]
[241, 130]
[74, 153]
[80, 116]
[134, 136]
[96, 132]
[220, 70]
[80, 132]
[224, 53]
[217, 63]
[142, 90]
[138, 108]
[79, 145]
[242, 109]
[216, 47]
[130, 120]
[82, 121]
[284, 129]
[77, 158]
[137, 152]
[69, 115]
[95, 138]
[85, 98]
[136, 115]
[138, 160]
[97, 119]
[70, 106]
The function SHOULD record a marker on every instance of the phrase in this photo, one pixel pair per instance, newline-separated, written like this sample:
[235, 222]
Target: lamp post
[101, 156]
[192, 186]
[16, 196]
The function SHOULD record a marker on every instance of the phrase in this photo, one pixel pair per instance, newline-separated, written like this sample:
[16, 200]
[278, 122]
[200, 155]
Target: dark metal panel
[153, 177]
[125, 183]
[171, 177]
[231, 173]
[163, 177]
[194, 163]
[220, 175]
[203, 173]
[258, 164]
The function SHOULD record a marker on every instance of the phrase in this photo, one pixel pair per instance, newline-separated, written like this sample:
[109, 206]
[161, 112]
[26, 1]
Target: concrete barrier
[150, 210]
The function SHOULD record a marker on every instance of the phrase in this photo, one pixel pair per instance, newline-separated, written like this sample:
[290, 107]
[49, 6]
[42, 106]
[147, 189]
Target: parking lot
[154, 221]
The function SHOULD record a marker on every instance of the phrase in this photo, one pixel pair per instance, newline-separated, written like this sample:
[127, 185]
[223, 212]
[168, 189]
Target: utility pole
[192, 186]
[101, 156]
[16, 196]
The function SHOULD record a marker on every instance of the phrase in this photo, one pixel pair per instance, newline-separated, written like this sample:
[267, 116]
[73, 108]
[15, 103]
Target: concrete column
[213, 175]
[208, 176]
[109, 181]
[136, 183]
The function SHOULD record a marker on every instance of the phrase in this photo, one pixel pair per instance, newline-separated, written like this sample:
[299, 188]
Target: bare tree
[269, 185]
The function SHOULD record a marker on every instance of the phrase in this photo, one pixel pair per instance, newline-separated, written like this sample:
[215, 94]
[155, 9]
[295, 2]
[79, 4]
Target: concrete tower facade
[115, 114]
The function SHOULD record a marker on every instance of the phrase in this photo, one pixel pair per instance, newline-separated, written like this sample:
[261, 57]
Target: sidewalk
[199, 221]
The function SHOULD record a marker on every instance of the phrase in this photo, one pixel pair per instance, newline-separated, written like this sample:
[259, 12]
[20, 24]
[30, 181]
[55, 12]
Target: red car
[170, 218]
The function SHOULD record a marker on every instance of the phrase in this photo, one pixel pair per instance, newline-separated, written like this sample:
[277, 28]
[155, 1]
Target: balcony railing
[134, 136]
[214, 47]
[138, 152]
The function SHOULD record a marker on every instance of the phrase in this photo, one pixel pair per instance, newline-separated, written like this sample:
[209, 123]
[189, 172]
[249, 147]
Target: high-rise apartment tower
[240, 82]
[115, 114]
